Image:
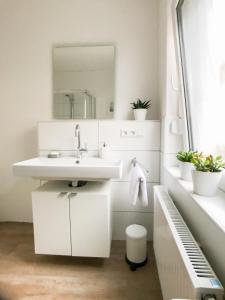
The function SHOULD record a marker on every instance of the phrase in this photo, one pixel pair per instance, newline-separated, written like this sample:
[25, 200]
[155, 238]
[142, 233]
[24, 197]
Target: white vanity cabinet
[72, 221]
[51, 221]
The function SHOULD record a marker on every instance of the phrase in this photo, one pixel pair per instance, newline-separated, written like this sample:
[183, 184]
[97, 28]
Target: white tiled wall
[127, 139]
[120, 191]
[60, 135]
[123, 219]
[150, 159]
[136, 135]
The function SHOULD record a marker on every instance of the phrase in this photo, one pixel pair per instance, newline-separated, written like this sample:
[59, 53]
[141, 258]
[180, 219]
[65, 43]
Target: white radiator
[184, 272]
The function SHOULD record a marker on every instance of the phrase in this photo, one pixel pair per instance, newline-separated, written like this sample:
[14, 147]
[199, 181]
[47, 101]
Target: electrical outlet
[129, 133]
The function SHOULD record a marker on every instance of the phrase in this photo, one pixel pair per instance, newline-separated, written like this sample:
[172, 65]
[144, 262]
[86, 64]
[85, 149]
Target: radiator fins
[197, 259]
[184, 271]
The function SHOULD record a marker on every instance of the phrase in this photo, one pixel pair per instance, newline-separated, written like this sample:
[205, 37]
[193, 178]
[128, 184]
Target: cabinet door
[51, 223]
[90, 225]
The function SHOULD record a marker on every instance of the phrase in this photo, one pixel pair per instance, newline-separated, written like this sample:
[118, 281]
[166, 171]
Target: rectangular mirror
[83, 82]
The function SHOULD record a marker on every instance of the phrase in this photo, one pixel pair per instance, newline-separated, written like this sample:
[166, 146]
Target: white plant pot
[140, 114]
[206, 183]
[185, 170]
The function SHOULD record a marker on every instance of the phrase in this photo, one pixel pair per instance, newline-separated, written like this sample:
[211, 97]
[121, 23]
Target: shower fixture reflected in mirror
[83, 82]
[74, 104]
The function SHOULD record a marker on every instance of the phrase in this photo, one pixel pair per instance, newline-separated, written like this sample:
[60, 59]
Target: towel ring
[135, 162]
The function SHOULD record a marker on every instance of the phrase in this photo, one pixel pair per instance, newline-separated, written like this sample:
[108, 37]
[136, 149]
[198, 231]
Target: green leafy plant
[139, 104]
[186, 156]
[208, 163]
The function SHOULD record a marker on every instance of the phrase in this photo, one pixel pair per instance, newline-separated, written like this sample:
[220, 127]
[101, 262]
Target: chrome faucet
[80, 150]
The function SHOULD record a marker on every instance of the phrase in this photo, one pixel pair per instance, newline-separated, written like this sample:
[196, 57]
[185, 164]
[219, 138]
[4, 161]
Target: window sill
[214, 207]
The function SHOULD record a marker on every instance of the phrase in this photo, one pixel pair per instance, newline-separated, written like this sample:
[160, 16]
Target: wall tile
[121, 201]
[149, 159]
[61, 135]
[147, 135]
[123, 219]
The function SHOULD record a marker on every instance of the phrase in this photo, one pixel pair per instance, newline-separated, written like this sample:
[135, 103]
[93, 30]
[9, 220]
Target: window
[201, 26]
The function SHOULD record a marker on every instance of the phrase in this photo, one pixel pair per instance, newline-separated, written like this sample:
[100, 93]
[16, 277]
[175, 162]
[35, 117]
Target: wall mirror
[83, 82]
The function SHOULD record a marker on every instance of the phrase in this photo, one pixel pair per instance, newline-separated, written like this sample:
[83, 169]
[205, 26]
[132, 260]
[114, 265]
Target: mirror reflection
[83, 82]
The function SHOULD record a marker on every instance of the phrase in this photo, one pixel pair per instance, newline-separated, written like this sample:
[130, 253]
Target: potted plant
[207, 174]
[185, 164]
[140, 109]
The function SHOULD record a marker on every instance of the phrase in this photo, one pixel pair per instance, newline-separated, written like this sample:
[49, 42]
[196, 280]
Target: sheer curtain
[203, 30]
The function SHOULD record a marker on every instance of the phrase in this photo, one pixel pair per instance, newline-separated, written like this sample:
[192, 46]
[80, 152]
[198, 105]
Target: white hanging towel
[138, 187]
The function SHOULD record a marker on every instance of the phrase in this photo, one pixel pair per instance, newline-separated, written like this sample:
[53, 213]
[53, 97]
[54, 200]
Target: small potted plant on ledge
[207, 174]
[140, 109]
[185, 164]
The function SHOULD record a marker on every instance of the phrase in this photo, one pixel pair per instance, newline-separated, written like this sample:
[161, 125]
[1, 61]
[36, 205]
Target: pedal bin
[136, 246]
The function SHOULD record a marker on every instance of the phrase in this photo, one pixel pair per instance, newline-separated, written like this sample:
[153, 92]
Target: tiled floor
[24, 275]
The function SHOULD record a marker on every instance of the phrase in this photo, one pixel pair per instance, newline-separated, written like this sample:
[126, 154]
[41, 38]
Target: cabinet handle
[71, 195]
[62, 194]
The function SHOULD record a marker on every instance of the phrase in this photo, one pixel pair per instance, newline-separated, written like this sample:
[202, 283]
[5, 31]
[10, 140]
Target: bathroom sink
[69, 168]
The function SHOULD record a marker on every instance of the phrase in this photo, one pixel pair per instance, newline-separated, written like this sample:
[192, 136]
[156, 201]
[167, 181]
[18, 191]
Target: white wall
[28, 30]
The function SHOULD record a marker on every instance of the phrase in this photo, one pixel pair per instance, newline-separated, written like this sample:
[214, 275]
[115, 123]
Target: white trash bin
[136, 246]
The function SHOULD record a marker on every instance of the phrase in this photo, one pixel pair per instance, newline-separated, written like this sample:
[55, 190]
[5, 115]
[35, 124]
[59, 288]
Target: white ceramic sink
[69, 168]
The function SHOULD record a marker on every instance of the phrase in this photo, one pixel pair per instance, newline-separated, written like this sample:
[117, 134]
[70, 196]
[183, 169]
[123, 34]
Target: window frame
[184, 75]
